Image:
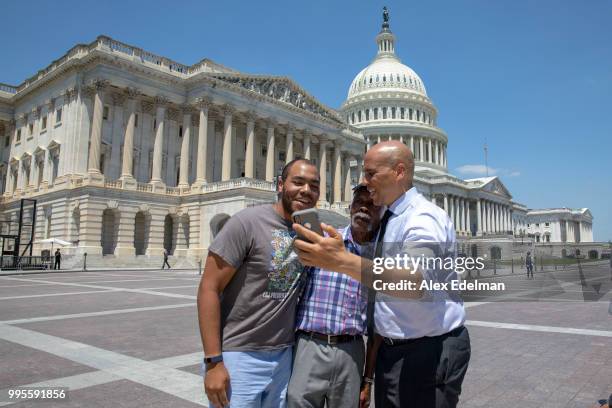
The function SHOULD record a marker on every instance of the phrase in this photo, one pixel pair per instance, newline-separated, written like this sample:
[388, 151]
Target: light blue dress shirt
[417, 221]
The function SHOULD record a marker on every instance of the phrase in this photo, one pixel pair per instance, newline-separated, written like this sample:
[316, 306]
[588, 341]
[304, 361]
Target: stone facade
[128, 153]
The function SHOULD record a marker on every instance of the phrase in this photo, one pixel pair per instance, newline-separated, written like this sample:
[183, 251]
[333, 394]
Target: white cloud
[480, 170]
[476, 170]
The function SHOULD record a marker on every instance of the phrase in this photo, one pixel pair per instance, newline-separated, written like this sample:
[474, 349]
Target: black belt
[331, 338]
[399, 342]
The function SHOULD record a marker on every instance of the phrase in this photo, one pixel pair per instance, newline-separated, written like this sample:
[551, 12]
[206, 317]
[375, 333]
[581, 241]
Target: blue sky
[532, 78]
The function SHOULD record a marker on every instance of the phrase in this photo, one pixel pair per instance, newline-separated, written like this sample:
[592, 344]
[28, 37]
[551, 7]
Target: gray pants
[325, 375]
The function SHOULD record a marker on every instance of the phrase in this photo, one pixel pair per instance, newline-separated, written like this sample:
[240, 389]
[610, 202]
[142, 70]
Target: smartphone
[308, 218]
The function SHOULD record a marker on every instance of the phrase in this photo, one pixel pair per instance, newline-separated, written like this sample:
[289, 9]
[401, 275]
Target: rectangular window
[384, 113]
[410, 113]
[58, 115]
[105, 113]
[402, 113]
[30, 129]
[154, 124]
[44, 123]
[537, 224]
[264, 150]
[392, 113]
[367, 114]
[136, 120]
[547, 224]
[375, 113]
[180, 131]
[7, 141]
[18, 137]
[281, 156]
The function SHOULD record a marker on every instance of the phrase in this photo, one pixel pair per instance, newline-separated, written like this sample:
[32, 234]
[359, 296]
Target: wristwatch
[213, 359]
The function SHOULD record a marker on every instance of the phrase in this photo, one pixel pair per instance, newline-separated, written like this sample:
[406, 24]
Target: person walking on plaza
[529, 264]
[331, 322]
[425, 348]
[165, 259]
[58, 259]
[248, 296]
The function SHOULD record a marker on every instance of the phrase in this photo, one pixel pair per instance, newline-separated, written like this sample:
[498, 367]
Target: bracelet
[368, 380]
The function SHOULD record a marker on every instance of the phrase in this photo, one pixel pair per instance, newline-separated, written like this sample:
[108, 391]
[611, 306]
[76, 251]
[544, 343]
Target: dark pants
[530, 271]
[165, 263]
[57, 264]
[423, 373]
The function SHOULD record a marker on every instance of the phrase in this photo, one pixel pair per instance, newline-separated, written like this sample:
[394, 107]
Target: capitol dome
[387, 100]
[386, 72]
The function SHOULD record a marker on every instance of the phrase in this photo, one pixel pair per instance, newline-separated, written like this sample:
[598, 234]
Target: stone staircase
[126, 262]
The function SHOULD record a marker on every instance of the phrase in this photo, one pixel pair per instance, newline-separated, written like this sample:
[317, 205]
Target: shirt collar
[404, 201]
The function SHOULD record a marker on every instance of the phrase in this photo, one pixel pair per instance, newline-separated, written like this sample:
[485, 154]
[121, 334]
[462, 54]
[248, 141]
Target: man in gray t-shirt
[248, 295]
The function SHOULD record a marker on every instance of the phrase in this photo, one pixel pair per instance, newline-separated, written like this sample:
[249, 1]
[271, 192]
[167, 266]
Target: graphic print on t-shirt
[285, 268]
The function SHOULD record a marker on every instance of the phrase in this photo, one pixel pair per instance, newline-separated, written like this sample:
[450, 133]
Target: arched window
[410, 113]
[375, 113]
[359, 116]
[384, 78]
[402, 113]
[370, 79]
[404, 78]
[398, 78]
[367, 113]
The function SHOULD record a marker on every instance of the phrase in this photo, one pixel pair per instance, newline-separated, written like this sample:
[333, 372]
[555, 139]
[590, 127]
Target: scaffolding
[17, 240]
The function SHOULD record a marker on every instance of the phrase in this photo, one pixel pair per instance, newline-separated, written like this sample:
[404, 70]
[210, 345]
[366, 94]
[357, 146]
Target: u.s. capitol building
[128, 152]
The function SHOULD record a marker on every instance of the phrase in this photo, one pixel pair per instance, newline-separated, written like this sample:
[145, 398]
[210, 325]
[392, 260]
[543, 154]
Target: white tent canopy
[54, 241]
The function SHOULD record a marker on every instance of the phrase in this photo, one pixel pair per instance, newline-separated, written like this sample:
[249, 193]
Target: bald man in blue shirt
[425, 350]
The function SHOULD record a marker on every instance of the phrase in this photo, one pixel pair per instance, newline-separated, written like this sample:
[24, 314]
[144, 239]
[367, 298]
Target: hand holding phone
[308, 219]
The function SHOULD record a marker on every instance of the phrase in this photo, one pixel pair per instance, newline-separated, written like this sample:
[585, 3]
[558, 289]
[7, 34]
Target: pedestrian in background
[165, 259]
[529, 265]
[58, 259]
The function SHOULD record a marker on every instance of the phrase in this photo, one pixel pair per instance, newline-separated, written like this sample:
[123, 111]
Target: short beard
[286, 202]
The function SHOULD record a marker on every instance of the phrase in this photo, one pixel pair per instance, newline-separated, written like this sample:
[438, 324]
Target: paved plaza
[130, 339]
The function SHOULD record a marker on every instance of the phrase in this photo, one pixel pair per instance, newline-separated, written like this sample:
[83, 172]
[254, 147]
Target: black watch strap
[213, 359]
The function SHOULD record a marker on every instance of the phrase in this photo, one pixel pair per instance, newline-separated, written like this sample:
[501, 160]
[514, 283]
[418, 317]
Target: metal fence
[11, 262]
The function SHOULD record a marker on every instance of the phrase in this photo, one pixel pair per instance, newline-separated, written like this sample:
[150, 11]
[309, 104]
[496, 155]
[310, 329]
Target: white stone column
[95, 140]
[451, 200]
[348, 188]
[412, 145]
[446, 203]
[226, 165]
[184, 163]
[306, 142]
[468, 221]
[289, 144]
[463, 215]
[323, 171]
[479, 228]
[158, 145]
[270, 156]
[201, 177]
[421, 149]
[485, 216]
[496, 215]
[435, 152]
[249, 158]
[337, 172]
[128, 140]
[429, 151]
[114, 167]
